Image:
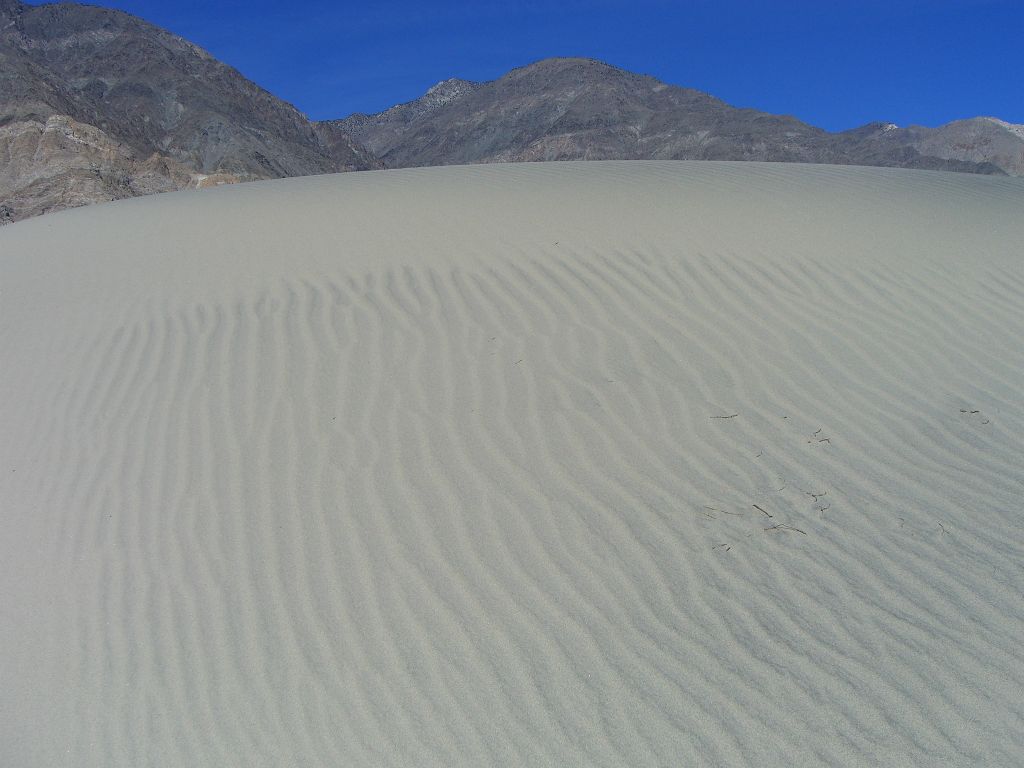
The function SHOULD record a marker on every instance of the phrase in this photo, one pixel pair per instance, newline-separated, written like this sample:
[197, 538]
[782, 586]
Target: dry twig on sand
[784, 527]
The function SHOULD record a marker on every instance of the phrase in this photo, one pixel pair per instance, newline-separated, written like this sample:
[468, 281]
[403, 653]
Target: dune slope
[571, 464]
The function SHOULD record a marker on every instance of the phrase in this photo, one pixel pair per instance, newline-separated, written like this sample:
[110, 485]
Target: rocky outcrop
[63, 163]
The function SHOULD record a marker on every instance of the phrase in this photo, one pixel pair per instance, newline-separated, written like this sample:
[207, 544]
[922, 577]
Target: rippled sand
[702, 464]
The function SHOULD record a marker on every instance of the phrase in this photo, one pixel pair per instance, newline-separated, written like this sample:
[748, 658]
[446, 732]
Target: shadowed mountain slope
[96, 104]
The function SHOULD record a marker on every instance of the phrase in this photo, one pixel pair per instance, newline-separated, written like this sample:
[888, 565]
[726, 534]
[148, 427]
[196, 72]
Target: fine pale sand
[610, 464]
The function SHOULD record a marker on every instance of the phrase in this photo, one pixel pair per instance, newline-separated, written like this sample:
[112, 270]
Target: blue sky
[831, 63]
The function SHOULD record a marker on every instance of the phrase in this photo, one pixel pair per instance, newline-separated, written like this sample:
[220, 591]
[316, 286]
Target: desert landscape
[547, 464]
[97, 104]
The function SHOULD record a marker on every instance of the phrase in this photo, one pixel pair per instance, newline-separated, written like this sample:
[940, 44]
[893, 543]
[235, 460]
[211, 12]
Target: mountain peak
[569, 61]
[577, 108]
[448, 91]
[580, 64]
[449, 85]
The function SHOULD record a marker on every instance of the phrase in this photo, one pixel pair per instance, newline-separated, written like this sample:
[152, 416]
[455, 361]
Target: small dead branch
[784, 527]
[730, 416]
[761, 509]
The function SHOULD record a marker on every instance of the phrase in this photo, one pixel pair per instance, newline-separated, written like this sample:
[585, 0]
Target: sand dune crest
[575, 464]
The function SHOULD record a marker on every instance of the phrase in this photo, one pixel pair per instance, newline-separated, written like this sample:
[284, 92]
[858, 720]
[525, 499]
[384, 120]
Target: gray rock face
[580, 109]
[978, 140]
[380, 131]
[152, 100]
[62, 163]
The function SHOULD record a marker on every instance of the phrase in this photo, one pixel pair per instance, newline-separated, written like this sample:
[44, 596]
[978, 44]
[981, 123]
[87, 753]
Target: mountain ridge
[97, 104]
[577, 108]
[161, 113]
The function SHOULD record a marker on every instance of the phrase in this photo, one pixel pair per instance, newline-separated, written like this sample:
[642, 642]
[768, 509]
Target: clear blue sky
[832, 63]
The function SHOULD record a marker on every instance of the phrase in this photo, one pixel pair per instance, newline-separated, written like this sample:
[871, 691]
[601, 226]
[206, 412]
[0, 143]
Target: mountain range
[96, 104]
[581, 109]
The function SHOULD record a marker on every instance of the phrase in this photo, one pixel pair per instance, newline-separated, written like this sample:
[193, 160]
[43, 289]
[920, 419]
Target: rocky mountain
[977, 140]
[581, 109]
[388, 127]
[96, 104]
[62, 163]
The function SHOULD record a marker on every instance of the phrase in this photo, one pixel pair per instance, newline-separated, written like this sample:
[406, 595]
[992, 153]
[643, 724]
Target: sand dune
[578, 464]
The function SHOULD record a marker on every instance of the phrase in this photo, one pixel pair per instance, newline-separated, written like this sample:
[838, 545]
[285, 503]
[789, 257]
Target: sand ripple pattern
[647, 505]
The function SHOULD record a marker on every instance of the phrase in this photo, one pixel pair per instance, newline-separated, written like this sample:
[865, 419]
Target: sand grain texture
[571, 464]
